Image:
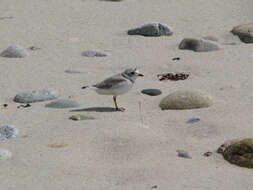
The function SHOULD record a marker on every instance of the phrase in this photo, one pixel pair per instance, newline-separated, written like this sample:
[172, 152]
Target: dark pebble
[151, 92]
[176, 59]
[207, 154]
[193, 120]
[183, 154]
[24, 106]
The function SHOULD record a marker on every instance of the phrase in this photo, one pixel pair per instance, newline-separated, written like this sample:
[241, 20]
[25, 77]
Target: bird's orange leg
[116, 106]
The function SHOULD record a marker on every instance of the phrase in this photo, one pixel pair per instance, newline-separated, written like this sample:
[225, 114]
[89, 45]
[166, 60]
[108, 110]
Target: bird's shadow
[95, 109]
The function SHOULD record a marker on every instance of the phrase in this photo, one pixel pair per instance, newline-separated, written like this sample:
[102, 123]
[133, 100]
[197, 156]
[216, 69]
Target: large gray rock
[7, 132]
[31, 96]
[186, 99]
[199, 45]
[63, 103]
[152, 29]
[244, 32]
[15, 51]
[5, 154]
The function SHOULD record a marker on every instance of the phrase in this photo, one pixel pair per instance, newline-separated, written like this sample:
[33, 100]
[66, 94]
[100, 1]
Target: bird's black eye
[132, 73]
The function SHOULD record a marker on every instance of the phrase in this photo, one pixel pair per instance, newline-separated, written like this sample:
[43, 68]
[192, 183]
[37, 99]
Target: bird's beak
[140, 75]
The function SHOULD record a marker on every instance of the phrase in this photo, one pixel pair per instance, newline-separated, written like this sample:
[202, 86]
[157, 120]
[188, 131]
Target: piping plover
[117, 85]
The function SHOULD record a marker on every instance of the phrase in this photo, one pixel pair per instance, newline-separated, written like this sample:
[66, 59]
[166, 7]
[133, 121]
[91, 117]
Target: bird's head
[132, 73]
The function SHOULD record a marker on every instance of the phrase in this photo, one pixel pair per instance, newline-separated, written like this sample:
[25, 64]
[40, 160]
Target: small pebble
[193, 120]
[151, 92]
[94, 53]
[81, 117]
[5, 154]
[58, 145]
[207, 154]
[176, 59]
[154, 187]
[33, 48]
[183, 154]
[7, 132]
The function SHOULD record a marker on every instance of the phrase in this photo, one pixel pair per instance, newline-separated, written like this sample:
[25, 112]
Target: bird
[116, 85]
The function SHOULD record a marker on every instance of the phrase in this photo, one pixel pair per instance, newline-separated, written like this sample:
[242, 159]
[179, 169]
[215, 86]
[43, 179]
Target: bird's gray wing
[110, 82]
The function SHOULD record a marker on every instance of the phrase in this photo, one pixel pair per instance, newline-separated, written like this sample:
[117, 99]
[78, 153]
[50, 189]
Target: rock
[81, 117]
[183, 154]
[58, 145]
[186, 99]
[151, 92]
[152, 29]
[7, 132]
[31, 96]
[94, 53]
[63, 103]
[5, 154]
[207, 154]
[238, 152]
[199, 45]
[244, 32]
[15, 51]
[193, 120]
[175, 58]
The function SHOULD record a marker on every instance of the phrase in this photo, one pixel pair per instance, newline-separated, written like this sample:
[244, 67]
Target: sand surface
[134, 149]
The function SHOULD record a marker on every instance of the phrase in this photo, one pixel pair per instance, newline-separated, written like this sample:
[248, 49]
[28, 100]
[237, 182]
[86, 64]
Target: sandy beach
[135, 149]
